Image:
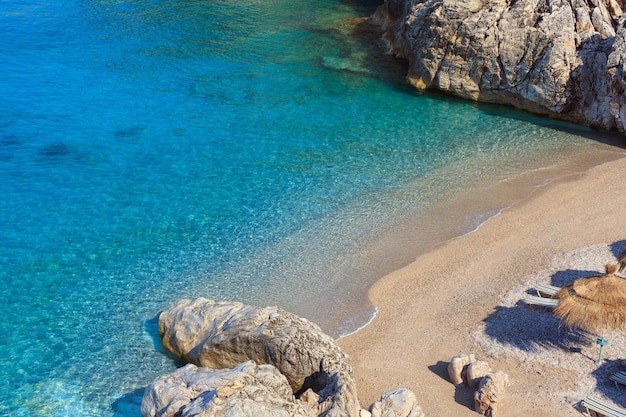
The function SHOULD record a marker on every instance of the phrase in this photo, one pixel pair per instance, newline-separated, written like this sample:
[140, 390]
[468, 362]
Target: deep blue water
[158, 150]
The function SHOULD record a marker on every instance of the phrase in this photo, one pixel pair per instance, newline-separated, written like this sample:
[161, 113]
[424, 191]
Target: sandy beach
[465, 297]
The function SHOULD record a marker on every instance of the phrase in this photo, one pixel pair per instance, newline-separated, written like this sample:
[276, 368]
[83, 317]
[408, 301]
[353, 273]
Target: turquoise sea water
[252, 151]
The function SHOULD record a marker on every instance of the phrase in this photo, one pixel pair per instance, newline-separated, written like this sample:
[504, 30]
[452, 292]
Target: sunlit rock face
[560, 58]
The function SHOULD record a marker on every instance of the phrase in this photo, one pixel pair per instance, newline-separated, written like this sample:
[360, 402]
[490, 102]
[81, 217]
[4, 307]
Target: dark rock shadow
[463, 395]
[129, 404]
[528, 329]
[129, 132]
[152, 328]
[596, 134]
[59, 153]
[441, 370]
[54, 150]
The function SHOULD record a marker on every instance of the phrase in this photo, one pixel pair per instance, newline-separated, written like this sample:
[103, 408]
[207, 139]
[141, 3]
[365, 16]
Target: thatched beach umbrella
[595, 304]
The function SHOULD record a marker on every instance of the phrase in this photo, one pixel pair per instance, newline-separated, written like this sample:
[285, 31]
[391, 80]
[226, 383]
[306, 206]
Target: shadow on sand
[610, 389]
[463, 395]
[532, 329]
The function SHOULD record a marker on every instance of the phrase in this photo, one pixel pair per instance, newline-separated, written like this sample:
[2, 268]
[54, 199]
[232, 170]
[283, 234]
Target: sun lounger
[540, 301]
[596, 407]
[548, 290]
[619, 378]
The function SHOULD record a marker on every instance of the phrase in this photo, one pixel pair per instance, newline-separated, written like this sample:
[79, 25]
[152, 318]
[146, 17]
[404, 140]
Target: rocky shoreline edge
[562, 59]
[264, 361]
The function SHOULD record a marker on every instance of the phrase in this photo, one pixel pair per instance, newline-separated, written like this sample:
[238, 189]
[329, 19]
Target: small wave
[347, 333]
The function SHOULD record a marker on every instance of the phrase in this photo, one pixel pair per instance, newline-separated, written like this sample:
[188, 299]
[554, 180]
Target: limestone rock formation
[397, 403]
[475, 373]
[457, 367]
[225, 334]
[490, 393]
[246, 390]
[566, 59]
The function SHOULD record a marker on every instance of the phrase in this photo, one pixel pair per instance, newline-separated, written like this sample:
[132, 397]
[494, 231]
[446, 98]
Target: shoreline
[467, 209]
[480, 198]
[465, 280]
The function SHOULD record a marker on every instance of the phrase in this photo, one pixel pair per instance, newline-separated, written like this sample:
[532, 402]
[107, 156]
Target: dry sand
[465, 297]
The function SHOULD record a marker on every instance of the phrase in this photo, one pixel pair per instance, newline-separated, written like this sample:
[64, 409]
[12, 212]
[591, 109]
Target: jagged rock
[490, 393]
[311, 398]
[248, 390]
[561, 58]
[224, 334]
[458, 366]
[475, 373]
[397, 403]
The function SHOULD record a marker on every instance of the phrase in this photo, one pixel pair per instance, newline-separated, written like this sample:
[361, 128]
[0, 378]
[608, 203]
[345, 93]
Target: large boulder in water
[561, 58]
[222, 335]
[246, 390]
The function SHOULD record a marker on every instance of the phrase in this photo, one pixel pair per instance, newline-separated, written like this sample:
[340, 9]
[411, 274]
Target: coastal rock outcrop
[246, 390]
[222, 335]
[248, 361]
[566, 59]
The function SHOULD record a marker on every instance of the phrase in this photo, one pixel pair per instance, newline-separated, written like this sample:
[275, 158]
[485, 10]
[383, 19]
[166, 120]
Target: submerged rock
[565, 59]
[225, 334]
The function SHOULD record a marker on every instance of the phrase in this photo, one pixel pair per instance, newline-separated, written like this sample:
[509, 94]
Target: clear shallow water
[253, 151]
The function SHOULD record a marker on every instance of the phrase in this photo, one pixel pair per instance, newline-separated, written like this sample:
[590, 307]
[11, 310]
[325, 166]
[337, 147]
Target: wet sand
[464, 297]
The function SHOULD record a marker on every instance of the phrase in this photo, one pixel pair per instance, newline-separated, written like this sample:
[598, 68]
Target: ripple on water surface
[251, 151]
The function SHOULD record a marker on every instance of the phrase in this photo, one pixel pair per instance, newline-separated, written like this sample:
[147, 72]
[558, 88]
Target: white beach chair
[596, 407]
[547, 290]
[618, 378]
[533, 300]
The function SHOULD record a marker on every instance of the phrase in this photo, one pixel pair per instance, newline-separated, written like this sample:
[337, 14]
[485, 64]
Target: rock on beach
[257, 361]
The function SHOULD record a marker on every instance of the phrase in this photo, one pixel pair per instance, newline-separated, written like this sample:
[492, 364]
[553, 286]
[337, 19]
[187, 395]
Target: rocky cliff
[562, 58]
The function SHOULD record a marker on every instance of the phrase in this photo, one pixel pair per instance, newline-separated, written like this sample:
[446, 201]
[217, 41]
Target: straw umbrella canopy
[595, 304]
